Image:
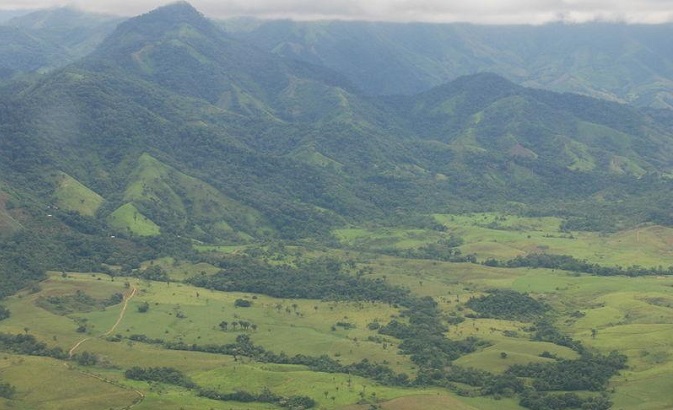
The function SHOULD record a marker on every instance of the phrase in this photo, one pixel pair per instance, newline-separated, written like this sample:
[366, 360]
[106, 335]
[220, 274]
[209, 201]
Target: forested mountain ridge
[172, 126]
[628, 63]
[44, 40]
[486, 112]
[623, 62]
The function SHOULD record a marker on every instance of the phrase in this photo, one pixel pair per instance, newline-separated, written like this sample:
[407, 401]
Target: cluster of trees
[572, 264]
[507, 304]
[7, 391]
[244, 324]
[316, 279]
[242, 303]
[28, 345]
[591, 372]
[244, 347]
[168, 375]
[80, 301]
[154, 272]
[86, 359]
[4, 313]
[265, 396]
[544, 401]
[441, 251]
[25, 344]
[544, 331]
[18, 264]
[171, 375]
[424, 339]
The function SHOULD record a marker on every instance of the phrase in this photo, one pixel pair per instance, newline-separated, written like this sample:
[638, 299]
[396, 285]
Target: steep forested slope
[631, 63]
[171, 126]
[47, 39]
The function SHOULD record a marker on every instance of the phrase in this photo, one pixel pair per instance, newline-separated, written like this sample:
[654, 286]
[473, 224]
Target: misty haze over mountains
[243, 110]
[626, 63]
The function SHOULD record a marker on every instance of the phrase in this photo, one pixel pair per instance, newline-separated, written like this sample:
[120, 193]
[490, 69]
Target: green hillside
[43, 40]
[127, 219]
[71, 195]
[190, 221]
[178, 201]
[623, 62]
[173, 115]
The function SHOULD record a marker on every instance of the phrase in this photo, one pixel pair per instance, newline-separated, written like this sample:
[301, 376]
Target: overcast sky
[476, 11]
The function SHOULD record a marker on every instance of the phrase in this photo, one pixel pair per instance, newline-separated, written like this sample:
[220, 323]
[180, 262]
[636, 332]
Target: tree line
[572, 264]
[173, 376]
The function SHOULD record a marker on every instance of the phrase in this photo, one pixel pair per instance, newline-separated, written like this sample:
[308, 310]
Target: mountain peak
[138, 32]
[178, 12]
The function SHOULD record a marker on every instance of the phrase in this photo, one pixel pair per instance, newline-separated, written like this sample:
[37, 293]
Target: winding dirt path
[122, 313]
[71, 352]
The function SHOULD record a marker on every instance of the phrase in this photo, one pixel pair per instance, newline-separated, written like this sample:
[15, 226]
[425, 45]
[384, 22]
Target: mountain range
[173, 125]
[620, 62]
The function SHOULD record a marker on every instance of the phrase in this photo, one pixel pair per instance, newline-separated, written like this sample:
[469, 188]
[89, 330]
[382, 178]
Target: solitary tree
[143, 307]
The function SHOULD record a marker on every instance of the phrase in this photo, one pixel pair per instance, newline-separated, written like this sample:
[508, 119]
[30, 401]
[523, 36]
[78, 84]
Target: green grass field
[71, 195]
[492, 235]
[127, 218]
[631, 315]
[504, 237]
[44, 383]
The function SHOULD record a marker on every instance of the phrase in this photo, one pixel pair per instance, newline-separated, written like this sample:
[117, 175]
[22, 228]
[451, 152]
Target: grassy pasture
[290, 326]
[631, 315]
[329, 390]
[55, 329]
[290, 332]
[504, 237]
[220, 248]
[71, 195]
[44, 383]
[493, 235]
[440, 402]
[127, 218]
[518, 350]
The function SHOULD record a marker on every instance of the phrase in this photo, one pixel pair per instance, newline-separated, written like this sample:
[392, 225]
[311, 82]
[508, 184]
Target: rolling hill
[627, 63]
[198, 134]
[283, 239]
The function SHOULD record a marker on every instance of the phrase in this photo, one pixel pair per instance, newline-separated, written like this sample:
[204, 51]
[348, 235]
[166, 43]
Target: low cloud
[475, 11]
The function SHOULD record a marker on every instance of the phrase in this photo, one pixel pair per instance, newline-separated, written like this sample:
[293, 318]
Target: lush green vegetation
[160, 374]
[507, 304]
[569, 263]
[181, 225]
[420, 330]
[28, 345]
[365, 53]
[315, 279]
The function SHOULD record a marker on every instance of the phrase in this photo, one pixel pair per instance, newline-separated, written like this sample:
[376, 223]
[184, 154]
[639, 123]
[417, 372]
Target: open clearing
[631, 315]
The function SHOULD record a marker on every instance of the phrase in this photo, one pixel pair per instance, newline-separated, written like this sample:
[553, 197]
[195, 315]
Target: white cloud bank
[475, 11]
